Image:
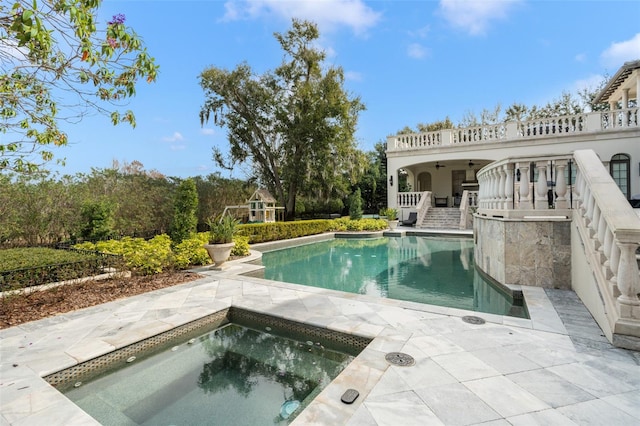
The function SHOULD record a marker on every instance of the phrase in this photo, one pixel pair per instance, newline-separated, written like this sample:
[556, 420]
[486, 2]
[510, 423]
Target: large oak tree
[293, 125]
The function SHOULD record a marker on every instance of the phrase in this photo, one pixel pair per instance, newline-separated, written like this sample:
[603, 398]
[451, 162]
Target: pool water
[235, 375]
[437, 271]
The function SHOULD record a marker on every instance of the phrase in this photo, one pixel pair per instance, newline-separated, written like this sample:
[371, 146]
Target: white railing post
[628, 280]
[502, 195]
[508, 188]
[542, 202]
[561, 185]
[525, 201]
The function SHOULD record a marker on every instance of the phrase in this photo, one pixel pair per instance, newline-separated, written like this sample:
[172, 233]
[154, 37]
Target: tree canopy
[294, 125]
[59, 63]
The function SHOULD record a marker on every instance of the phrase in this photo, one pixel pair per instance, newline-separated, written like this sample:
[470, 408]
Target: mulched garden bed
[18, 309]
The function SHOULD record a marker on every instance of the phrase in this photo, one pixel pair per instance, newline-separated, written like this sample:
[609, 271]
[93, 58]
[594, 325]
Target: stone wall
[534, 252]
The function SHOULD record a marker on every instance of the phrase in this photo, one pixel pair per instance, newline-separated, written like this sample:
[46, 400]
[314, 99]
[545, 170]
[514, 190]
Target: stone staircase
[441, 218]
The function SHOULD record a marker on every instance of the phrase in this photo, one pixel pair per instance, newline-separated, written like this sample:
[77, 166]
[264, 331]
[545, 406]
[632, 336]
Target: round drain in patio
[399, 358]
[473, 320]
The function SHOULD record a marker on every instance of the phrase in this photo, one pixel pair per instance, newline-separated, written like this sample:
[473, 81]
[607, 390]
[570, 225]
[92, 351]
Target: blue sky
[409, 61]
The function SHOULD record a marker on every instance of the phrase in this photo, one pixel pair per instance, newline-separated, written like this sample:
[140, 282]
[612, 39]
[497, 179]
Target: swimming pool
[262, 373]
[437, 271]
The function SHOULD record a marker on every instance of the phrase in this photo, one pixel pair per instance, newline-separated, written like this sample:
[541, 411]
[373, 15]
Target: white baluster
[525, 201]
[628, 279]
[588, 213]
[542, 202]
[508, 189]
[593, 227]
[602, 229]
[561, 185]
[502, 179]
[608, 241]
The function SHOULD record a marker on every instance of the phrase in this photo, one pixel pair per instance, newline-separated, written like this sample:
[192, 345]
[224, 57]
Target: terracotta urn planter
[219, 253]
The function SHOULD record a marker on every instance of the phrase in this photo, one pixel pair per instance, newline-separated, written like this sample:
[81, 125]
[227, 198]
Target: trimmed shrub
[191, 251]
[185, 209]
[263, 232]
[241, 247]
[355, 205]
[142, 257]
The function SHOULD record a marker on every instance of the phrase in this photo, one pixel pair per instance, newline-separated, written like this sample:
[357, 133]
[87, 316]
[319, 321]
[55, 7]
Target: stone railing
[526, 186]
[409, 199]
[468, 205]
[423, 207]
[516, 130]
[610, 232]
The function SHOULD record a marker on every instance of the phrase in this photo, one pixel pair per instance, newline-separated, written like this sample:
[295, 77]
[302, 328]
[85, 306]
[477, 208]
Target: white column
[525, 201]
[508, 187]
[502, 179]
[628, 279]
[561, 185]
[542, 202]
[625, 105]
[494, 188]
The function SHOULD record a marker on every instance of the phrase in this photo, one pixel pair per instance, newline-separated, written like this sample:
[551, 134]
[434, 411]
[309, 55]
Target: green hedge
[26, 267]
[158, 254]
[263, 232]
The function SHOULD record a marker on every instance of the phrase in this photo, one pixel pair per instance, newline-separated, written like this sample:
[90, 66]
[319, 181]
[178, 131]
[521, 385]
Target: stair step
[441, 218]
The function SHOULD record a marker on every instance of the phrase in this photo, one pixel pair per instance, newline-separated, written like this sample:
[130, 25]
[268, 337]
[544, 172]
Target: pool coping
[37, 349]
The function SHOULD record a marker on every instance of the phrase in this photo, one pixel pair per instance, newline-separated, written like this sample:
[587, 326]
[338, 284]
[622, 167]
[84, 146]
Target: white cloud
[619, 53]
[581, 57]
[474, 16]
[421, 32]
[326, 13]
[591, 82]
[417, 51]
[207, 131]
[352, 76]
[176, 137]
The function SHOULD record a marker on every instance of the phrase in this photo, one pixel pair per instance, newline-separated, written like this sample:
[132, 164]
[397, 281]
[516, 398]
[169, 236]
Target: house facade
[445, 163]
[551, 200]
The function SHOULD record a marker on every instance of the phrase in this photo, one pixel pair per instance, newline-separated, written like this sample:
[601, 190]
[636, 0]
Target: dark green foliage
[294, 125]
[373, 184]
[262, 232]
[185, 209]
[222, 230]
[216, 192]
[25, 267]
[355, 205]
[97, 218]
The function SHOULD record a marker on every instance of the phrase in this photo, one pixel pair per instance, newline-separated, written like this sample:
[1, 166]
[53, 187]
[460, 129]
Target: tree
[55, 64]
[355, 205]
[436, 125]
[373, 184]
[293, 125]
[185, 209]
[98, 220]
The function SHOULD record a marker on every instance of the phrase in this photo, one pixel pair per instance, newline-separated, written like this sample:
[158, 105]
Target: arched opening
[620, 169]
[424, 182]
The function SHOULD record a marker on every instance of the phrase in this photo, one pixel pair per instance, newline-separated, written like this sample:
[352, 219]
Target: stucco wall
[532, 252]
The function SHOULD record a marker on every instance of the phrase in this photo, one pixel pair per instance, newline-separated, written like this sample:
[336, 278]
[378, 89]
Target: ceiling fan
[438, 165]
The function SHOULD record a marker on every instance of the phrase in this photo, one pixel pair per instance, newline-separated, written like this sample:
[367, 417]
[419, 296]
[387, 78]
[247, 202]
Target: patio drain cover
[399, 358]
[473, 320]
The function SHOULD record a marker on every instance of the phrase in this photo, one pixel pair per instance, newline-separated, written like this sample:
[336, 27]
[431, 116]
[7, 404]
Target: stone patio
[553, 369]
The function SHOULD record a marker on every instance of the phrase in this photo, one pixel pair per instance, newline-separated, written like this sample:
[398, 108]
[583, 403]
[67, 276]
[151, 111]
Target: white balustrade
[408, 199]
[599, 121]
[613, 228]
[506, 191]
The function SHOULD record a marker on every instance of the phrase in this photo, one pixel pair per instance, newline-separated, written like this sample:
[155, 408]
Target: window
[620, 169]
